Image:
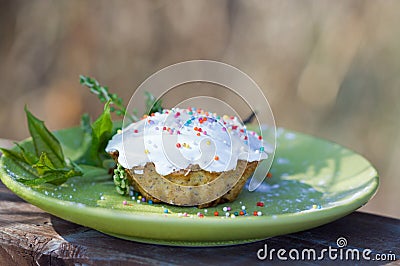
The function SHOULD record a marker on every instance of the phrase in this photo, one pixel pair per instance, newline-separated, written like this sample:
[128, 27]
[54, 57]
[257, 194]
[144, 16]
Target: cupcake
[187, 157]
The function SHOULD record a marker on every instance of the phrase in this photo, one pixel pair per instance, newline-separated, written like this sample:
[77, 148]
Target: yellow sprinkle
[146, 151]
[119, 131]
[139, 197]
[314, 206]
[208, 142]
[225, 117]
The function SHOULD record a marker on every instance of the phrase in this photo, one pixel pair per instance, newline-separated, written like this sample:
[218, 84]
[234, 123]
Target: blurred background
[330, 69]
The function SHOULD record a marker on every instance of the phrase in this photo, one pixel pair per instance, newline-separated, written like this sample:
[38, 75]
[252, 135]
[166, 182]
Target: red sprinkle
[260, 204]
[201, 215]
[164, 128]
[269, 175]
[259, 137]
[255, 213]
[136, 131]
[241, 213]
[234, 127]
[178, 145]
[216, 213]
[200, 129]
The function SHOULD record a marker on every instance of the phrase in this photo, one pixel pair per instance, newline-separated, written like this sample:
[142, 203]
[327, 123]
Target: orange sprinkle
[269, 175]
[216, 158]
[198, 134]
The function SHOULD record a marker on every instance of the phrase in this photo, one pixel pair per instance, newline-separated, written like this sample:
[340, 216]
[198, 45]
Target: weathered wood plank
[30, 236]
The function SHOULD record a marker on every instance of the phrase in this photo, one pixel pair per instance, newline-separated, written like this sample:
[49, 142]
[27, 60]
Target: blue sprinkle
[261, 148]
[150, 202]
[166, 211]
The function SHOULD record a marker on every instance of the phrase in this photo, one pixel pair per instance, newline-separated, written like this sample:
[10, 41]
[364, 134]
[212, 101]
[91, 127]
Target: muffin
[187, 157]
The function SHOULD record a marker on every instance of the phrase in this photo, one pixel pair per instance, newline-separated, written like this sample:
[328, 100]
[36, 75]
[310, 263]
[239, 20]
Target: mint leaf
[55, 177]
[152, 105]
[44, 164]
[85, 124]
[101, 132]
[44, 141]
[28, 156]
[18, 161]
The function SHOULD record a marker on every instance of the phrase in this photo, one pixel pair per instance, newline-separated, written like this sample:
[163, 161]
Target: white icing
[154, 139]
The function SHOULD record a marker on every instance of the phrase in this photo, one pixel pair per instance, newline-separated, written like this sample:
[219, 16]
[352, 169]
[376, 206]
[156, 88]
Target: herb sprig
[104, 96]
[45, 162]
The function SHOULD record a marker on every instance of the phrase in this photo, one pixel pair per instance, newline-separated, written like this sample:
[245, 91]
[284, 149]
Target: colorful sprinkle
[216, 158]
[216, 213]
[178, 145]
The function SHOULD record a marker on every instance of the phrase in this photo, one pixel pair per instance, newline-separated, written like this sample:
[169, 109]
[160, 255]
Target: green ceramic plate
[314, 182]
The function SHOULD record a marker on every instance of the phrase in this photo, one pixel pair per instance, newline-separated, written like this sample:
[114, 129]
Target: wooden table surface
[30, 236]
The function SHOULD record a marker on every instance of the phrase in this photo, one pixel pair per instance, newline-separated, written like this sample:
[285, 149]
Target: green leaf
[44, 165]
[152, 105]
[55, 177]
[15, 158]
[28, 156]
[85, 123]
[101, 133]
[44, 141]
